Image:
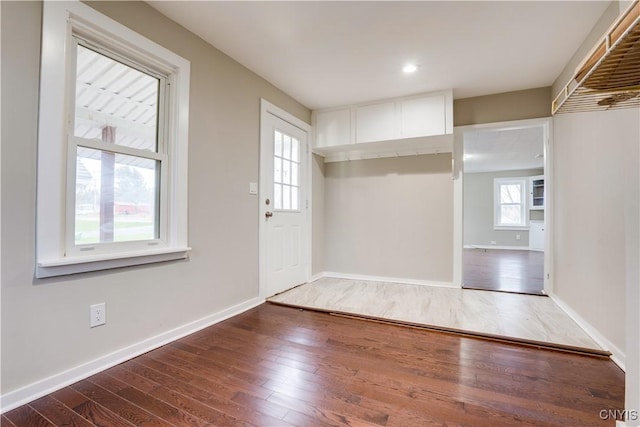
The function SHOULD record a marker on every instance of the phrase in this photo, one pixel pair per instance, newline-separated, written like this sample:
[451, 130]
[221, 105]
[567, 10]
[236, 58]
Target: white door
[283, 205]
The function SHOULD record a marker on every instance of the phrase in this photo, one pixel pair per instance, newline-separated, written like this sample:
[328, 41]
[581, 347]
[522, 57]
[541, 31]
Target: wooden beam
[107, 186]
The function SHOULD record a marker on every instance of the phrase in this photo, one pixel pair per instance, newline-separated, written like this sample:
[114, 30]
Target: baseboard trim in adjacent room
[55, 382]
[404, 281]
[617, 356]
[504, 248]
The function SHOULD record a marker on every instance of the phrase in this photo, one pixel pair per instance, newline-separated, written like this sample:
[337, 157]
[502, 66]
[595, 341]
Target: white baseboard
[504, 248]
[33, 391]
[617, 356]
[403, 281]
[316, 277]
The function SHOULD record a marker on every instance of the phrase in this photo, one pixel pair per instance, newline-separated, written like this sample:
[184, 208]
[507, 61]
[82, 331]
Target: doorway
[284, 210]
[505, 198]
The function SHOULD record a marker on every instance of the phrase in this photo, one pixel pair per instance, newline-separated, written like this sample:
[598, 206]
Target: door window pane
[116, 197]
[286, 147]
[277, 196]
[286, 165]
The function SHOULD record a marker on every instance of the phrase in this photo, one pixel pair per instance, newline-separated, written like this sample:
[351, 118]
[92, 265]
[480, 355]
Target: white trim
[268, 108]
[458, 202]
[618, 356]
[316, 276]
[522, 182]
[83, 264]
[504, 248]
[458, 191]
[33, 391]
[61, 20]
[401, 280]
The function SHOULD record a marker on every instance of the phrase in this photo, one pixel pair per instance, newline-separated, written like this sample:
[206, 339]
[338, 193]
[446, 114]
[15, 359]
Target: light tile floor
[521, 317]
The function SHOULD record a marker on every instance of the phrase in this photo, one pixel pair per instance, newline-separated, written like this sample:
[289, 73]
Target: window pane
[115, 97]
[286, 147]
[277, 196]
[295, 144]
[294, 198]
[286, 197]
[116, 197]
[286, 172]
[294, 174]
[510, 215]
[277, 170]
[510, 193]
[277, 144]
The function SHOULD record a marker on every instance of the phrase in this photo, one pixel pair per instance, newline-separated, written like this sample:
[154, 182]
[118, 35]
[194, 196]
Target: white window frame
[497, 183]
[56, 253]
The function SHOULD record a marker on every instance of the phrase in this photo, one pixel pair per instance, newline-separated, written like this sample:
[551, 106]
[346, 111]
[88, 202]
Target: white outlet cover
[98, 313]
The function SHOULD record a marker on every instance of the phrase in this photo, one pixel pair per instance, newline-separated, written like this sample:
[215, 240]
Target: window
[112, 169]
[509, 203]
[286, 169]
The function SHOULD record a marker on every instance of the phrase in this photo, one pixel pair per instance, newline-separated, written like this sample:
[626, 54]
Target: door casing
[458, 194]
[267, 108]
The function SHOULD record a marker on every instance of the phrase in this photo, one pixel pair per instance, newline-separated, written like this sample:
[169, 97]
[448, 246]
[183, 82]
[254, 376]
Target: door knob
[268, 214]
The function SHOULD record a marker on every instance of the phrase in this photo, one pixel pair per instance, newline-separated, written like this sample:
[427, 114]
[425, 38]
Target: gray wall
[478, 210]
[501, 107]
[596, 180]
[390, 217]
[596, 33]
[45, 323]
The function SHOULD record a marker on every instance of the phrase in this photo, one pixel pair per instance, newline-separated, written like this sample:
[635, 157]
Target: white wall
[595, 155]
[478, 210]
[390, 217]
[45, 323]
[317, 176]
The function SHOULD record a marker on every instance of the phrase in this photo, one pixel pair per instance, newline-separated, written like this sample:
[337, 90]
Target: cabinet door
[376, 122]
[536, 201]
[422, 117]
[536, 236]
[333, 128]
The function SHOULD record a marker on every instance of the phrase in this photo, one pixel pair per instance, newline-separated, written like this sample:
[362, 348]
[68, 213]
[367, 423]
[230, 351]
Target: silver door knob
[268, 214]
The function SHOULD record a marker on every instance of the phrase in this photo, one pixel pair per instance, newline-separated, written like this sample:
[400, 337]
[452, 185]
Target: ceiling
[330, 53]
[491, 150]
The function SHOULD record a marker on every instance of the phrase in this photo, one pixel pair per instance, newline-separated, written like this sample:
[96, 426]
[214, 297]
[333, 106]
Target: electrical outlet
[517, 237]
[493, 242]
[98, 314]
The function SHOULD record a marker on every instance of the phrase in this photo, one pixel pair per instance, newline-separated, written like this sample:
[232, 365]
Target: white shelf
[390, 148]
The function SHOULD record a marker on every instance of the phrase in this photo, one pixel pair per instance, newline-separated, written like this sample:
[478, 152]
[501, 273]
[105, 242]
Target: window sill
[511, 228]
[84, 264]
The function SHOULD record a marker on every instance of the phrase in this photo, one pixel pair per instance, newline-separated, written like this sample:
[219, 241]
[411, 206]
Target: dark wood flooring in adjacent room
[278, 366]
[504, 270]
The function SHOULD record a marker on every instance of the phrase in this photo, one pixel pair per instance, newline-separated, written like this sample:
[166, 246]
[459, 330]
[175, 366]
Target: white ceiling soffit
[326, 54]
[493, 150]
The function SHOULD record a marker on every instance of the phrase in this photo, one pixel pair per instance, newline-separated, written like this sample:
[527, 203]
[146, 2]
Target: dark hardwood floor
[504, 270]
[279, 366]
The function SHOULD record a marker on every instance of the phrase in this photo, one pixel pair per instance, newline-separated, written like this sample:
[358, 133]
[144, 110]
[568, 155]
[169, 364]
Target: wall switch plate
[253, 188]
[517, 237]
[98, 314]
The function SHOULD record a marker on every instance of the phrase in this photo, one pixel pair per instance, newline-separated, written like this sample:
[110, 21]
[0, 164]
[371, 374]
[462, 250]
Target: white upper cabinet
[375, 122]
[333, 128]
[418, 124]
[422, 116]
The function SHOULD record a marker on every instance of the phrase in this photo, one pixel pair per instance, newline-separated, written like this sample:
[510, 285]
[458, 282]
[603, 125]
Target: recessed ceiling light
[409, 68]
